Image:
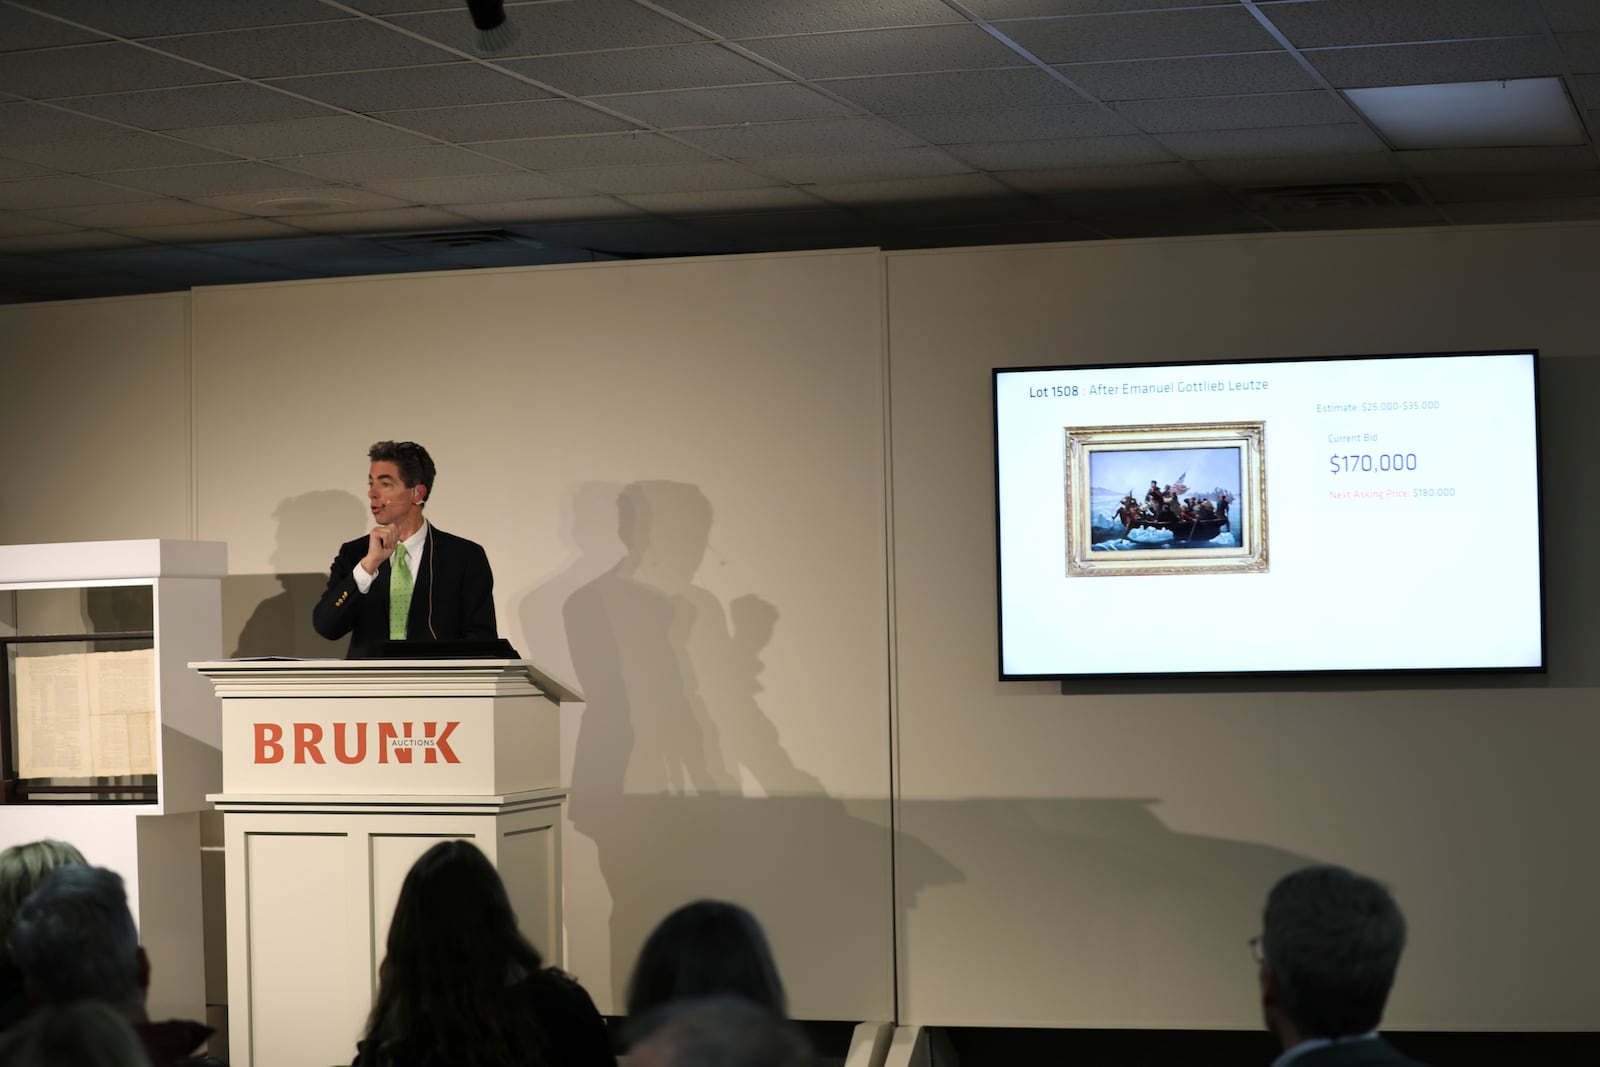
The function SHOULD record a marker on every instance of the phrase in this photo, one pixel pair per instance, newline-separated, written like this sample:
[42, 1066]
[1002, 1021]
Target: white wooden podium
[336, 776]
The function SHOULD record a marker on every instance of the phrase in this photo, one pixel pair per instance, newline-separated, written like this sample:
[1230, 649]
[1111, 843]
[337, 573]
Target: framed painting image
[1180, 498]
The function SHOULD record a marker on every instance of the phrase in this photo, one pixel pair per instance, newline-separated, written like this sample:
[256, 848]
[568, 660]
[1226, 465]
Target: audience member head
[453, 949]
[86, 1033]
[21, 869]
[75, 939]
[706, 949]
[721, 1031]
[1330, 944]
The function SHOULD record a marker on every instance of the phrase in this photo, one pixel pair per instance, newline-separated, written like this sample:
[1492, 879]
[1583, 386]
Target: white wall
[735, 742]
[1098, 853]
[1092, 857]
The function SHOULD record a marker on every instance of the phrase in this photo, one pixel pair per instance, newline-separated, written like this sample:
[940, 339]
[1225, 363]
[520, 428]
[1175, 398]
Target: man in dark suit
[407, 579]
[1329, 946]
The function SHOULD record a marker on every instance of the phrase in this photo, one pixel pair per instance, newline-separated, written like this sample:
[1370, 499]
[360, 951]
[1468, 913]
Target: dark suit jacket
[452, 595]
[1374, 1053]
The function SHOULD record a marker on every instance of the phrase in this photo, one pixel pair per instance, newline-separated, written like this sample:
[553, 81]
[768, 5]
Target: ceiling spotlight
[492, 33]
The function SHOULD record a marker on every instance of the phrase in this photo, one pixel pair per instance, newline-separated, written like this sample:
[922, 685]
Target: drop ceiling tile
[518, 212]
[1335, 23]
[1586, 87]
[210, 179]
[1526, 211]
[1496, 160]
[819, 226]
[24, 122]
[413, 87]
[167, 109]
[187, 16]
[559, 26]
[1358, 218]
[1428, 64]
[266, 140]
[970, 90]
[969, 212]
[1052, 155]
[206, 233]
[719, 107]
[1237, 112]
[1132, 176]
[1310, 170]
[70, 285]
[297, 248]
[1568, 16]
[603, 150]
[142, 213]
[394, 220]
[1014, 124]
[1159, 79]
[14, 224]
[866, 52]
[290, 204]
[722, 201]
[1139, 35]
[1457, 188]
[389, 164]
[1177, 224]
[504, 122]
[662, 178]
[305, 48]
[491, 188]
[940, 188]
[75, 241]
[29, 193]
[11, 169]
[22, 30]
[642, 70]
[1021, 9]
[740, 18]
[863, 166]
[805, 136]
[128, 151]
[1582, 51]
[88, 69]
[1350, 137]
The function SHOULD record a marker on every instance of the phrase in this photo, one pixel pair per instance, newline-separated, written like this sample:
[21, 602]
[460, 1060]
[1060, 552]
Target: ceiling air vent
[445, 241]
[1297, 199]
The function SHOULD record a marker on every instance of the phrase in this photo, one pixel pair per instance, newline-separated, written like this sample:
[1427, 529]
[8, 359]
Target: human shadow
[276, 608]
[680, 779]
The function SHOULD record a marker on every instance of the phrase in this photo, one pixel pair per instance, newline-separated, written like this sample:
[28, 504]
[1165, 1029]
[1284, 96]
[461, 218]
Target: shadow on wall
[1567, 388]
[275, 609]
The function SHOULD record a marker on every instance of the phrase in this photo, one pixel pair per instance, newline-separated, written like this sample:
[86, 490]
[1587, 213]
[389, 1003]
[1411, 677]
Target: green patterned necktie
[399, 594]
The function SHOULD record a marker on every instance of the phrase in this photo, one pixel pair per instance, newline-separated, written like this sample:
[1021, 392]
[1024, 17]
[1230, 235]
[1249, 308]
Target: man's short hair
[75, 939]
[724, 1031]
[22, 867]
[1333, 939]
[415, 465]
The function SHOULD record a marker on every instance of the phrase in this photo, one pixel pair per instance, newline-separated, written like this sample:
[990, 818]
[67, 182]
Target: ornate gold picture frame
[1187, 498]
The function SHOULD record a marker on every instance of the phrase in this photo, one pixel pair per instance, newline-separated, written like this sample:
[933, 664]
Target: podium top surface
[92, 561]
[284, 670]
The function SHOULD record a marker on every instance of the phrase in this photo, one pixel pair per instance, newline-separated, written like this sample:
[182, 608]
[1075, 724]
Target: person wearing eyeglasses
[1327, 953]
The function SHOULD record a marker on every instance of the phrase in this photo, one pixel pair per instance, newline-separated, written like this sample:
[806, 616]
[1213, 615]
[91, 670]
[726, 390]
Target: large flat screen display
[1363, 514]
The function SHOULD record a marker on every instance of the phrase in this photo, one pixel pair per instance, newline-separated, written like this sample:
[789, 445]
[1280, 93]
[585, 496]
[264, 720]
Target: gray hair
[75, 939]
[1333, 939]
[724, 1031]
[21, 868]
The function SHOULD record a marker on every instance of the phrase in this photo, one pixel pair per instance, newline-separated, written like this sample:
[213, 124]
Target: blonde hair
[22, 867]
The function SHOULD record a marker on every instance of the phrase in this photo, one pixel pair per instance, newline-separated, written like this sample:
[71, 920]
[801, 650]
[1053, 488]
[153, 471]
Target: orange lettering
[386, 734]
[441, 745]
[307, 735]
[268, 736]
[339, 749]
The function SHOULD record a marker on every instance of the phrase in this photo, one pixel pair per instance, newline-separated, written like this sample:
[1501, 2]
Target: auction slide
[1311, 515]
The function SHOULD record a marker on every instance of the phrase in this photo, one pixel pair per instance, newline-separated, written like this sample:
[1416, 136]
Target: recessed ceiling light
[1518, 113]
[300, 205]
